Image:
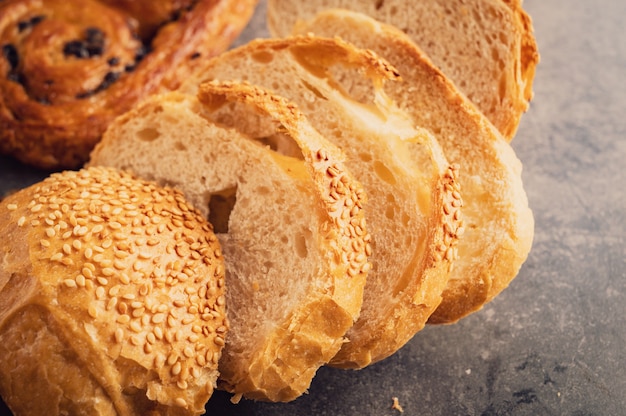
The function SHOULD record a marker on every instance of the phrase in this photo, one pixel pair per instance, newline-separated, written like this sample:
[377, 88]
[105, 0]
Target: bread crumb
[396, 405]
[236, 398]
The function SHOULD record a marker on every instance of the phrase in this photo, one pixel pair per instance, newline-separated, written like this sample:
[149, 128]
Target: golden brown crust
[119, 285]
[67, 71]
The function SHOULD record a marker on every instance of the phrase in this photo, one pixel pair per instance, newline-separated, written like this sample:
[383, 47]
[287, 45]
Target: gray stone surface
[554, 342]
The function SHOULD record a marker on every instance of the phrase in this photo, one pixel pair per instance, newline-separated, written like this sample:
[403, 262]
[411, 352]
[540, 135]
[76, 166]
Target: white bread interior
[498, 223]
[402, 168]
[486, 47]
[290, 224]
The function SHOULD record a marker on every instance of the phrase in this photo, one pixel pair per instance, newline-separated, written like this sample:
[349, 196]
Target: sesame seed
[100, 292]
[176, 368]
[93, 312]
[11, 207]
[111, 304]
[71, 283]
[80, 280]
[219, 341]
[172, 358]
[135, 326]
[119, 335]
[180, 402]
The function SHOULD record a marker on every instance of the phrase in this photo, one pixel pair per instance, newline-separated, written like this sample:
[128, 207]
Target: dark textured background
[554, 342]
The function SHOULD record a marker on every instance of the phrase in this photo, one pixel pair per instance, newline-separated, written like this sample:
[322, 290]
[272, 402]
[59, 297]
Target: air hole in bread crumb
[221, 205]
[149, 134]
[263, 57]
[365, 157]
[301, 246]
[180, 146]
[314, 90]
[384, 173]
[283, 144]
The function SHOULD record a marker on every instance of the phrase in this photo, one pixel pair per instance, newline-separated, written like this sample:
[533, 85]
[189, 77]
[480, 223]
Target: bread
[486, 47]
[111, 298]
[70, 67]
[286, 211]
[498, 223]
[405, 175]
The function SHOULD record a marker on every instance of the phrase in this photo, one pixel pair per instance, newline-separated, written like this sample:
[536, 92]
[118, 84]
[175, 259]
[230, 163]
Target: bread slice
[486, 47]
[499, 225]
[286, 211]
[408, 180]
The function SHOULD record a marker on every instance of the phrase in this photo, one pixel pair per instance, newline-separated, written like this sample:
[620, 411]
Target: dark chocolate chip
[76, 48]
[92, 45]
[27, 24]
[10, 53]
[23, 25]
[195, 55]
[94, 35]
[37, 19]
[15, 77]
[109, 79]
[113, 61]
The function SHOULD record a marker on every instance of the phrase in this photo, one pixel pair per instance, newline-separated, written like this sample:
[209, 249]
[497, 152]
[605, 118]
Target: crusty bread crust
[296, 242]
[102, 288]
[498, 222]
[487, 47]
[413, 194]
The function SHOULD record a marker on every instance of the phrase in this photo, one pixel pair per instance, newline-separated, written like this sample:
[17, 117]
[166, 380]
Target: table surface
[554, 342]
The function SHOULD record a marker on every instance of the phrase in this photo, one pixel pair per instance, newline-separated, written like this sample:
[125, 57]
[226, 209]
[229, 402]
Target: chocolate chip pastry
[68, 67]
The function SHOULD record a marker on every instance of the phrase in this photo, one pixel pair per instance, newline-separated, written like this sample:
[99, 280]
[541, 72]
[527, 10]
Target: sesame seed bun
[111, 298]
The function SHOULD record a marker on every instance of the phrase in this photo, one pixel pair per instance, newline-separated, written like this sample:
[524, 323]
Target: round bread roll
[111, 298]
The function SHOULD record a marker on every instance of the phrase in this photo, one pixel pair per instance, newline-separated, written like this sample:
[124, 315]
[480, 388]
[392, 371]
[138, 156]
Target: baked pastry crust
[68, 69]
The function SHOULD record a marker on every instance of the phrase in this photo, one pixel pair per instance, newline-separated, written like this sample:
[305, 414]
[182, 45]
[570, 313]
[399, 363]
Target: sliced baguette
[486, 47]
[408, 180]
[498, 222]
[294, 242]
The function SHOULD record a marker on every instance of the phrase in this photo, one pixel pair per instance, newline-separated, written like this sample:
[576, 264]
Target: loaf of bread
[499, 225]
[413, 196]
[486, 47]
[288, 215]
[70, 67]
[111, 298]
